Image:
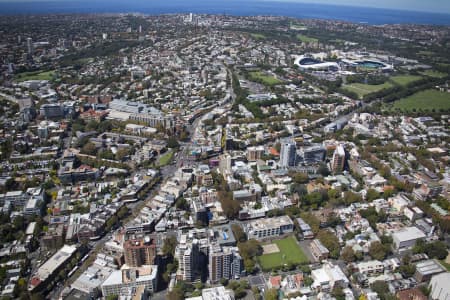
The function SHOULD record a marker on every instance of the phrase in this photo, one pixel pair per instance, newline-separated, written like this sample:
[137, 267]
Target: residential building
[131, 277]
[327, 277]
[140, 250]
[215, 293]
[338, 161]
[224, 262]
[370, 268]
[255, 153]
[45, 273]
[318, 250]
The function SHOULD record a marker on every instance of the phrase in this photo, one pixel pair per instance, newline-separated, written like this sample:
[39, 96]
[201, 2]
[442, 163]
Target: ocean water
[230, 7]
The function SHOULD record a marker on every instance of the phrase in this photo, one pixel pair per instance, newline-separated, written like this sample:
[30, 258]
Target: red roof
[275, 281]
[274, 151]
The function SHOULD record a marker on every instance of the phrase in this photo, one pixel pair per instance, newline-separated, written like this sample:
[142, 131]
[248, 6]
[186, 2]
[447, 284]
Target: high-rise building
[140, 251]
[288, 154]
[255, 153]
[29, 45]
[337, 164]
[187, 253]
[224, 262]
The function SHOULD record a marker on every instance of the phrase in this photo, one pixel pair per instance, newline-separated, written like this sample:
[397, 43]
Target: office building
[338, 161]
[269, 228]
[140, 112]
[51, 111]
[312, 154]
[140, 251]
[288, 154]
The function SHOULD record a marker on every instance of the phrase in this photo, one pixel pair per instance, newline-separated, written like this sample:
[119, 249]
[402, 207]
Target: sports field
[289, 252]
[425, 100]
[306, 39]
[37, 75]
[433, 73]
[258, 36]
[405, 79]
[363, 89]
[165, 159]
[266, 79]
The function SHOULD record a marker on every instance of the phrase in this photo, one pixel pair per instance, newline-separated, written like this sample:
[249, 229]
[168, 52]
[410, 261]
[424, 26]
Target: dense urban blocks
[289, 253]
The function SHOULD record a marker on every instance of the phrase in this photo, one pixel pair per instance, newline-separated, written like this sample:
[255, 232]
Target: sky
[440, 6]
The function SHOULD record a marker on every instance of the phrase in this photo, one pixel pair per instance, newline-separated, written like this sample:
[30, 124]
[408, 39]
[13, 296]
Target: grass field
[37, 75]
[405, 79]
[306, 39]
[165, 159]
[364, 89]
[433, 73]
[266, 79]
[424, 100]
[258, 36]
[290, 252]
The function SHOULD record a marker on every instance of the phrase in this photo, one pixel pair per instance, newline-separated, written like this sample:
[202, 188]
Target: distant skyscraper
[29, 45]
[140, 29]
[191, 17]
[288, 154]
[337, 164]
[19, 39]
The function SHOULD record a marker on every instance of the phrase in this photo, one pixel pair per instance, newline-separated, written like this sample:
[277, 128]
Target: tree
[182, 204]
[338, 293]
[121, 154]
[172, 143]
[89, 149]
[312, 221]
[271, 294]
[372, 195]
[381, 288]
[239, 233]
[330, 241]
[300, 178]
[169, 246]
[348, 255]
[377, 251]
[323, 170]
